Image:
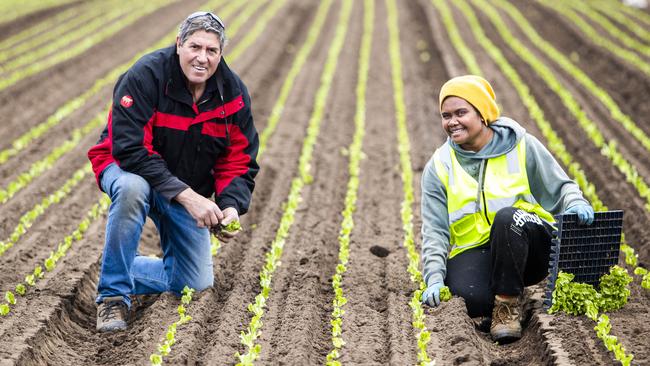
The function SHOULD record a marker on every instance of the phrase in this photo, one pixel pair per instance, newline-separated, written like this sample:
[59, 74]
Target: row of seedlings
[14, 9]
[32, 66]
[594, 36]
[61, 250]
[423, 335]
[355, 154]
[253, 330]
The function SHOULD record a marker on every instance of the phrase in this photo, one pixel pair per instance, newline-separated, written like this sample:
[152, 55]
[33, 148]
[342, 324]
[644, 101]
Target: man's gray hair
[202, 22]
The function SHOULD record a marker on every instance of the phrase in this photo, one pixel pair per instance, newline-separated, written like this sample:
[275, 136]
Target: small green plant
[645, 277]
[445, 294]
[580, 298]
[170, 336]
[232, 226]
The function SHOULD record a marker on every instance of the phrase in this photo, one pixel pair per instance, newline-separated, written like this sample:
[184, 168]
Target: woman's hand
[585, 213]
[431, 296]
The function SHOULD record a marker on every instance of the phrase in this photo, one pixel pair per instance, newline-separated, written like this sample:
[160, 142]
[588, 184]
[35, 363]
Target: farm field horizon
[345, 100]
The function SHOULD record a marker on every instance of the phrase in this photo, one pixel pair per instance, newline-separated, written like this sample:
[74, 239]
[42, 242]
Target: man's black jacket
[155, 130]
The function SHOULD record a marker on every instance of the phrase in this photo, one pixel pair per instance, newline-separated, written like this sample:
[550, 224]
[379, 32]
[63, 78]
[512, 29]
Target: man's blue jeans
[186, 247]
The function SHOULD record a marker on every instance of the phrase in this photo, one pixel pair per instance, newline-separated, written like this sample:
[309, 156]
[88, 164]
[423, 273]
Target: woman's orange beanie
[477, 91]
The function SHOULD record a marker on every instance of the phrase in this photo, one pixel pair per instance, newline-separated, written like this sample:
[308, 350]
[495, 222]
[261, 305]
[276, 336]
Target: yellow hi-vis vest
[472, 207]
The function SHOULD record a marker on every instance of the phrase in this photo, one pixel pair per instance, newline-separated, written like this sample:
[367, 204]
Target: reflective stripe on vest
[506, 185]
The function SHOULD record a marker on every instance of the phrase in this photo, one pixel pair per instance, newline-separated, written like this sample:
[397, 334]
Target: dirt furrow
[296, 326]
[47, 231]
[628, 86]
[376, 324]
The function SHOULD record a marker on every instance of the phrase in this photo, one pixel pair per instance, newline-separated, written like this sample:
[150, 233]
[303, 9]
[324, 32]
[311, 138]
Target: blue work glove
[585, 213]
[431, 296]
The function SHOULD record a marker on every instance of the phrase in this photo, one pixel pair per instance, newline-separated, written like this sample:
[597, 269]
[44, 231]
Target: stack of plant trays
[586, 251]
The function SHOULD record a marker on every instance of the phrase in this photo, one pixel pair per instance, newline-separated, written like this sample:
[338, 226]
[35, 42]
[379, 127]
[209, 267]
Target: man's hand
[431, 296]
[230, 214]
[585, 213]
[203, 210]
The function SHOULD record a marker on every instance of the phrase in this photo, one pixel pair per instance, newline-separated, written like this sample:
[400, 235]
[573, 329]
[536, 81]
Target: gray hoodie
[549, 184]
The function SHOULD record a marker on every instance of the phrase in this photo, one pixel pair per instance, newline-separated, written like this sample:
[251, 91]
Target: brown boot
[112, 314]
[506, 320]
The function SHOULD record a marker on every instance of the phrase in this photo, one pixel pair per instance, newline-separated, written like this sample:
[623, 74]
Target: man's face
[199, 56]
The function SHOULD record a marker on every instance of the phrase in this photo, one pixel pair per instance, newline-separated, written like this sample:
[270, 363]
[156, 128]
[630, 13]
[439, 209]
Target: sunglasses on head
[211, 15]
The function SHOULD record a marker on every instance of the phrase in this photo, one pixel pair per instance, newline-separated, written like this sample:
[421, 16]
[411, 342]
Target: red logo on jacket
[126, 101]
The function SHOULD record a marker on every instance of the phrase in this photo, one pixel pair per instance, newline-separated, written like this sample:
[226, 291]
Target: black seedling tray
[587, 251]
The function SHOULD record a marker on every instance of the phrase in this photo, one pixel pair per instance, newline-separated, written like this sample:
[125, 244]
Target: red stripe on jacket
[183, 123]
[233, 164]
[101, 155]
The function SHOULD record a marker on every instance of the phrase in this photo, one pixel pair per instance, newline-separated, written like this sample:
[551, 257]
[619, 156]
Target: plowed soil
[54, 323]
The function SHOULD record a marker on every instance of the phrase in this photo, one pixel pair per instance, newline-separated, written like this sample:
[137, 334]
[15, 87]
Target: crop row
[406, 211]
[13, 9]
[54, 40]
[555, 143]
[571, 69]
[52, 27]
[26, 221]
[595, 37]
[249, 337]
[581, 298]
[355, 154]
[164, 348]
[34, 65]
[61, 249]
[609, 9]
[611, 28]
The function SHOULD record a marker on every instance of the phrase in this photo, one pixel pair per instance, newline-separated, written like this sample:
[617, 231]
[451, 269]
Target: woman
[489, 194]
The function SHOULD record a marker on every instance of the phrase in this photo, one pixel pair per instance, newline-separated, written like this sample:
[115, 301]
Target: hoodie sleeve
[549, 184]
[435, 226]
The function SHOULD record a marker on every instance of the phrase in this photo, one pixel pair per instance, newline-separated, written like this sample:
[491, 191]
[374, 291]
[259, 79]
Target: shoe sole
[113, 327]
[503, 337]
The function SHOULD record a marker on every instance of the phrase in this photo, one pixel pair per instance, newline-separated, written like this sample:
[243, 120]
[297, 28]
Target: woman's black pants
[516, 256]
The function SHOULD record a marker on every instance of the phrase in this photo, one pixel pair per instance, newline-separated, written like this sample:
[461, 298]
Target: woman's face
[463, 124]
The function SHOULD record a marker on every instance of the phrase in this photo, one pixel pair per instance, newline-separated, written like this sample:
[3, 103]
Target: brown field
[54, 323]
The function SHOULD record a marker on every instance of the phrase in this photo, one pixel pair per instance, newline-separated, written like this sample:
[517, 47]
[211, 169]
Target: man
[180, 129]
